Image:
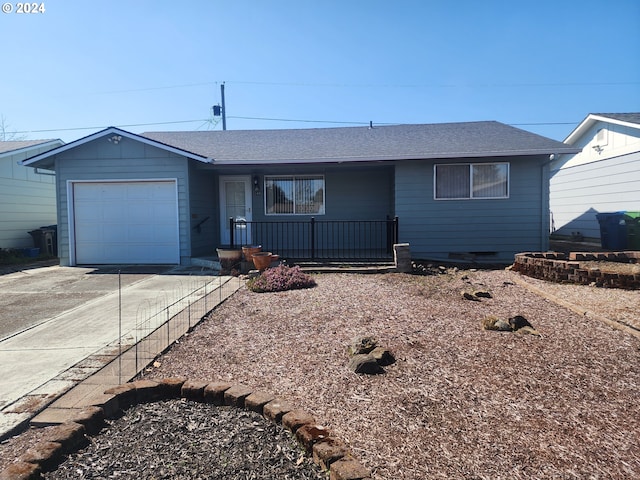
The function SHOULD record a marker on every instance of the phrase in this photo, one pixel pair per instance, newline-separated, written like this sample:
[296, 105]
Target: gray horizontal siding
[203, 203]
[350, 194]
[578, 193]
[438, 228]
[127, 160]
[27, 200]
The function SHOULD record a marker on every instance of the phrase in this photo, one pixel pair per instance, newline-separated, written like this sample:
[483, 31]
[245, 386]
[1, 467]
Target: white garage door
[126, 222]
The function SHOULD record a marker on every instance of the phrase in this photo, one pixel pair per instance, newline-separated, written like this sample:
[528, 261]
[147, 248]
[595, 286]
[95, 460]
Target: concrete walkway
[103, 342]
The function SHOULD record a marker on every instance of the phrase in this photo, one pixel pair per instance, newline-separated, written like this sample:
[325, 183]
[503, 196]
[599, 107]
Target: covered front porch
[319, 214]
[312, 242]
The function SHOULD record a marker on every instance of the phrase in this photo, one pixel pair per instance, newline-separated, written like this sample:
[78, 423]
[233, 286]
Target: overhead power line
[265, 119]
[376, 85]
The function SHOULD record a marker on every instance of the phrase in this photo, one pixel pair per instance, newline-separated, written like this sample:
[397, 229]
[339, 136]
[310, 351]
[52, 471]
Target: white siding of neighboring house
[27, 199]
[596, 180]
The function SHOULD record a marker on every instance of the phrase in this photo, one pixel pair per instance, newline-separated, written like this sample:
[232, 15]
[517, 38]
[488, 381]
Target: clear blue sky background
[147, 65]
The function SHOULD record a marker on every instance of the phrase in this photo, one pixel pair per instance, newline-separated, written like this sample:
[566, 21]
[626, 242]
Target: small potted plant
[249, 250]
[229, 257]
[262, 260]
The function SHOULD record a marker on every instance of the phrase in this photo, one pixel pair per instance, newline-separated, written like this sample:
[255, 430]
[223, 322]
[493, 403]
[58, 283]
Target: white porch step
[208, 262]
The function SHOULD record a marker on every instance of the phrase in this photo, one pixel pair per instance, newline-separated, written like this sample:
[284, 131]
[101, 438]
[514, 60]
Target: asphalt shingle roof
[622, 117]
[10, 146]
[397, 142]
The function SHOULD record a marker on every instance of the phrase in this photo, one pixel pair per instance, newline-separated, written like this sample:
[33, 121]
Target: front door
[235, 202]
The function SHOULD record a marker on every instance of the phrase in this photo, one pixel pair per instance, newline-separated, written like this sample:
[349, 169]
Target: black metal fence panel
[362, 240]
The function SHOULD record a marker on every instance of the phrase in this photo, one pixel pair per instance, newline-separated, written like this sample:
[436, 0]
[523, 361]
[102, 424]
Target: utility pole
[224, 110]
[220, 110]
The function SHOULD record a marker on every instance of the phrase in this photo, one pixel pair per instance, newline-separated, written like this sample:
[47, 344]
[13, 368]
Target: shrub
[280, 278]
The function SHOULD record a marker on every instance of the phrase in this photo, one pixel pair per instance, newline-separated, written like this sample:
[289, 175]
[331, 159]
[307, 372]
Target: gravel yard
[460, 402]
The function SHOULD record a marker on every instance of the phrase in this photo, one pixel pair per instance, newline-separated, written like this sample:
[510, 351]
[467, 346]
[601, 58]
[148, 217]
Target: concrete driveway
[30, 297]
[54, 318]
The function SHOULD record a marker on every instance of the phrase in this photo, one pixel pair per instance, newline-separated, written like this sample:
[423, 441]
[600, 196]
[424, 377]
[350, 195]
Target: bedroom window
[471, 180]
[294, 195]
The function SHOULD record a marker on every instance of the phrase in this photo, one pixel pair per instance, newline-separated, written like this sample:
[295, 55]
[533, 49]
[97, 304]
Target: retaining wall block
[214, 392]
[294, 419]
[147, 391]
[124, 397]
[92, 418]
[329, 451]
[172, 387]
[193, 390]
[348, 469]
[21, 471]
[257, 400]
[45, 454]
[308, 435]
[276, 409]
[70, 436]
[236, 394]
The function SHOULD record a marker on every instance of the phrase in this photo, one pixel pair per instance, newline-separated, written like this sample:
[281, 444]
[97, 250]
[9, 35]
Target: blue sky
[158, 65]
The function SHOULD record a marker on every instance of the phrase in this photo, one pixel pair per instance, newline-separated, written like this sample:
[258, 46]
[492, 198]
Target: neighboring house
[476, 191]
[27, 196]
[604, 177]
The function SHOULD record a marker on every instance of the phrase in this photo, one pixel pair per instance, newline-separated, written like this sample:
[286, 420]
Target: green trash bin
[633, 230]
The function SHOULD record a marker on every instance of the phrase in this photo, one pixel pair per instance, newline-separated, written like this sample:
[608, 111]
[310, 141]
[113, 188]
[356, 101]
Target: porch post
[396, 230]
[313, 238]
[231, 229]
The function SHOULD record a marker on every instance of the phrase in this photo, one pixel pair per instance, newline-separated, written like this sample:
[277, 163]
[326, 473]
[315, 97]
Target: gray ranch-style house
[459, 191]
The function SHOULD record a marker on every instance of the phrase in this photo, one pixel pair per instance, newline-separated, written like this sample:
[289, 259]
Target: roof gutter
[386, 158]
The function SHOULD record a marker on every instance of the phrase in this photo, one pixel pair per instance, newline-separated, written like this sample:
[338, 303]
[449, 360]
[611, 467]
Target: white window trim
[471, 165]
[294, 177]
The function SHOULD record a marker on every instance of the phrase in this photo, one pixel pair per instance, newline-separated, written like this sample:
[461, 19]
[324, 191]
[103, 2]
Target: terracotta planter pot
[229, 257]
[249, 250]
[262, 260]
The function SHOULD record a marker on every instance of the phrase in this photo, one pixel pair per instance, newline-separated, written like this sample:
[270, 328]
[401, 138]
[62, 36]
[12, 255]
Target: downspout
[545, 213]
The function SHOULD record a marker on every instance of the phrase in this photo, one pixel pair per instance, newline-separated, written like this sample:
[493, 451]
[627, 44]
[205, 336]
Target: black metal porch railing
[327, 240]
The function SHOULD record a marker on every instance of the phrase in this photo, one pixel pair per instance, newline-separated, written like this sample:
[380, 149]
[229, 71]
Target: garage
[125, 222]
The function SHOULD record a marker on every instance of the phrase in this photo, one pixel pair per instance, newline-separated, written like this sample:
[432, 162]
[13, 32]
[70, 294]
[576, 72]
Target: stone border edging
[561, 268]
[328, 452]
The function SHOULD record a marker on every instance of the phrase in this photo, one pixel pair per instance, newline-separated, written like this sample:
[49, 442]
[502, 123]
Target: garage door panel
[114, 234]
[126, 222]
[166, 231]
[112, 212]
[142, 234]
[89, 235]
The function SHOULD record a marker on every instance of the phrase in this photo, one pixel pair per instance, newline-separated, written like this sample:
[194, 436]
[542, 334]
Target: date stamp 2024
[25, 8]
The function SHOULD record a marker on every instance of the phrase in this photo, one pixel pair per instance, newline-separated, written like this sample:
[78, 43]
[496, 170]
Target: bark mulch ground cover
[459, 402]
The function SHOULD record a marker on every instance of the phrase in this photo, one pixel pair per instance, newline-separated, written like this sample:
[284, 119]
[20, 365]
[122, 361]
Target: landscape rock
[361, 345]
[527, 331]
[482, 294]
[518, 322]
[365, 363]
[383, 356]
[469, 296]
[494, 323]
